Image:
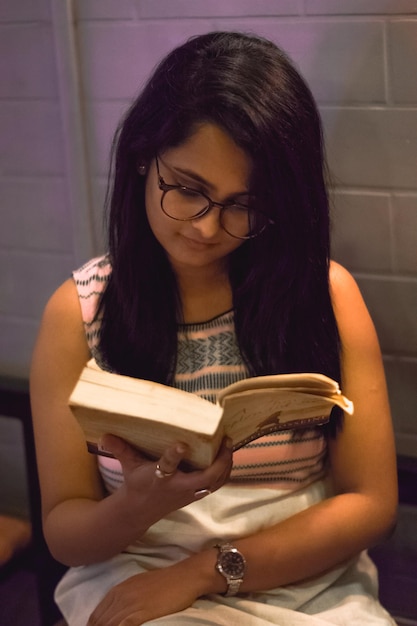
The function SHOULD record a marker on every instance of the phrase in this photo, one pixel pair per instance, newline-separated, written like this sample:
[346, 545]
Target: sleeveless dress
[272, 478]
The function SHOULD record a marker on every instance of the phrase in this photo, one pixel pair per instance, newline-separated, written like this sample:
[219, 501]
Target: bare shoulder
[62, 318]
[352, 315]
[61, 344]
[342, 283]
[60, 352]
[366, 442]
[64, 301]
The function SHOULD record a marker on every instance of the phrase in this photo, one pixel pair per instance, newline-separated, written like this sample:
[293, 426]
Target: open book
[151, 416]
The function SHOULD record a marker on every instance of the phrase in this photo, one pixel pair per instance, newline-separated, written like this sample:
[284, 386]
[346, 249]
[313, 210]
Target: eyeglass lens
[186, 204]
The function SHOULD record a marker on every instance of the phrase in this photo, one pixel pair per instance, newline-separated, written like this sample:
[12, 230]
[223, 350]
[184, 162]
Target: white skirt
[345, 596]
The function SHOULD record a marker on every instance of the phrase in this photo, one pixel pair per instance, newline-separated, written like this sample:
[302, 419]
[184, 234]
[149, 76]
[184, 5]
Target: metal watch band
[233, 582]
[233, 585]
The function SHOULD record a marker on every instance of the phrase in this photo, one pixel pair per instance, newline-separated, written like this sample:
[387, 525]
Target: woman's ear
[142, 169]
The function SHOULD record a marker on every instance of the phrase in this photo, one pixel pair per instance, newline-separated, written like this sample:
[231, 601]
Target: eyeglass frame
[165, 187]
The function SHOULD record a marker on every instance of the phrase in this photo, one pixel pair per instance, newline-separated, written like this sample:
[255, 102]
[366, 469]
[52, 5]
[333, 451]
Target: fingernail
[101, 447]
[201, 493]
[98, 448]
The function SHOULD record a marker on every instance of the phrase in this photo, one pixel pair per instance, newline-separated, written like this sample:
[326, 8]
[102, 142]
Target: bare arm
[362, 466]
[360, 514]
[81, 525]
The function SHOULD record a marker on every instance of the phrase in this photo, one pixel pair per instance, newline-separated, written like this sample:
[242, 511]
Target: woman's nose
[208, 224]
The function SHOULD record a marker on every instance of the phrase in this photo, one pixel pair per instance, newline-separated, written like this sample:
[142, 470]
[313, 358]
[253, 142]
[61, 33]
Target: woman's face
[208, 161]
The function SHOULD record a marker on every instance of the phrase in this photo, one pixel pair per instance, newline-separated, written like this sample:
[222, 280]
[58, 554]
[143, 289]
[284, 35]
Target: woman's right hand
[82, 524]
[151, 490]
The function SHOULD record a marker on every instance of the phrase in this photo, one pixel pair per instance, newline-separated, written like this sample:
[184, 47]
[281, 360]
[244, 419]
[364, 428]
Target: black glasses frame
[165, 187]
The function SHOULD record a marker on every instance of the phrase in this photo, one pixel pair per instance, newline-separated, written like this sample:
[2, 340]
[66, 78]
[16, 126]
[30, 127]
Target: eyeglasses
[185, 204]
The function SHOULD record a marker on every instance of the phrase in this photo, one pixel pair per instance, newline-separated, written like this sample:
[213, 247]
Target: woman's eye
[189, 193]
[238, 209]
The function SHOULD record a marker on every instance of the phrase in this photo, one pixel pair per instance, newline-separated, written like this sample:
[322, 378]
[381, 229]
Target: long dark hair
[283, 313]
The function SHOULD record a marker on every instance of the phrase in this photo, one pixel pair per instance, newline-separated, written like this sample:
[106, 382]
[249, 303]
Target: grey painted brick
[361, 234]
[27, 61]
[342, 60]
[406, 445]
[24, 10]
[402, 37]
[392, 304]
[342, 76]
[406, 535]
[27, 280]
[352, 73]
[104, 9]
[103, 119]
[17, 339]
[401, 378]
[31, 138]
[372, 147]
[359, 7]
[164, 9]
[405, 232]
[34, 215]
[118, 58]
[99, 187]
[13, 489]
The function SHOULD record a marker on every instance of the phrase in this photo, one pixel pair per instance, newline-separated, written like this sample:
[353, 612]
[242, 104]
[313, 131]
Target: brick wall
[60, 100]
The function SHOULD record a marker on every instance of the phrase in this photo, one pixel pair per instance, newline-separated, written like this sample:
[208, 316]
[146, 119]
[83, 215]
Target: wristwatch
[232, 565]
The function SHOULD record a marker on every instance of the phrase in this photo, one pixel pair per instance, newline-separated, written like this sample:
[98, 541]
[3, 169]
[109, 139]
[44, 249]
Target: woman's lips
[197, 244]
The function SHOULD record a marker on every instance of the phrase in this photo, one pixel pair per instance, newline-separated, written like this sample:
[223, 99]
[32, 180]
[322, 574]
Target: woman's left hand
[145, 597]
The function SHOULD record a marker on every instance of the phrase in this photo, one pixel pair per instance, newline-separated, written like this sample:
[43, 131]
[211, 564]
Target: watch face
[232, 563]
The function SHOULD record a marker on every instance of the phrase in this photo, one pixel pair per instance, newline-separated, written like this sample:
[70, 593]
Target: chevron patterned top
[208, 360]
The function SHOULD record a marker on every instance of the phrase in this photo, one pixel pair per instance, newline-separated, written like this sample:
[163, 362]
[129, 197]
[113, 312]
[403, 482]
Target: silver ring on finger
[160, 473]
[201, 493]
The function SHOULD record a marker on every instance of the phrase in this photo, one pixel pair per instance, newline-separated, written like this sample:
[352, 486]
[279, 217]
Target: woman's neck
[204, 294]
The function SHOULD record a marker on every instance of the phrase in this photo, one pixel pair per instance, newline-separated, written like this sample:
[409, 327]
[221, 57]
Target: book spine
[306, 422]
[94, 449]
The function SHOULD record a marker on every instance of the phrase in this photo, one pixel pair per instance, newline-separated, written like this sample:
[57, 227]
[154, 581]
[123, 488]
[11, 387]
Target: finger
[224, 459]
[226, 448]
[128, 456]
[218, 473]
[171, 458]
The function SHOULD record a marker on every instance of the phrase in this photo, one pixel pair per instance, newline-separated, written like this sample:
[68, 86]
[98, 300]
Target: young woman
[218, 268]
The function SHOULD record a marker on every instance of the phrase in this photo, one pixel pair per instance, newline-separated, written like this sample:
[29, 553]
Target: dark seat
[396, 559]
[14, 403]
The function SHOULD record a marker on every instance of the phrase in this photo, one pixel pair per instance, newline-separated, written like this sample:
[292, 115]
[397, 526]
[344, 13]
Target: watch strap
[233, 583]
